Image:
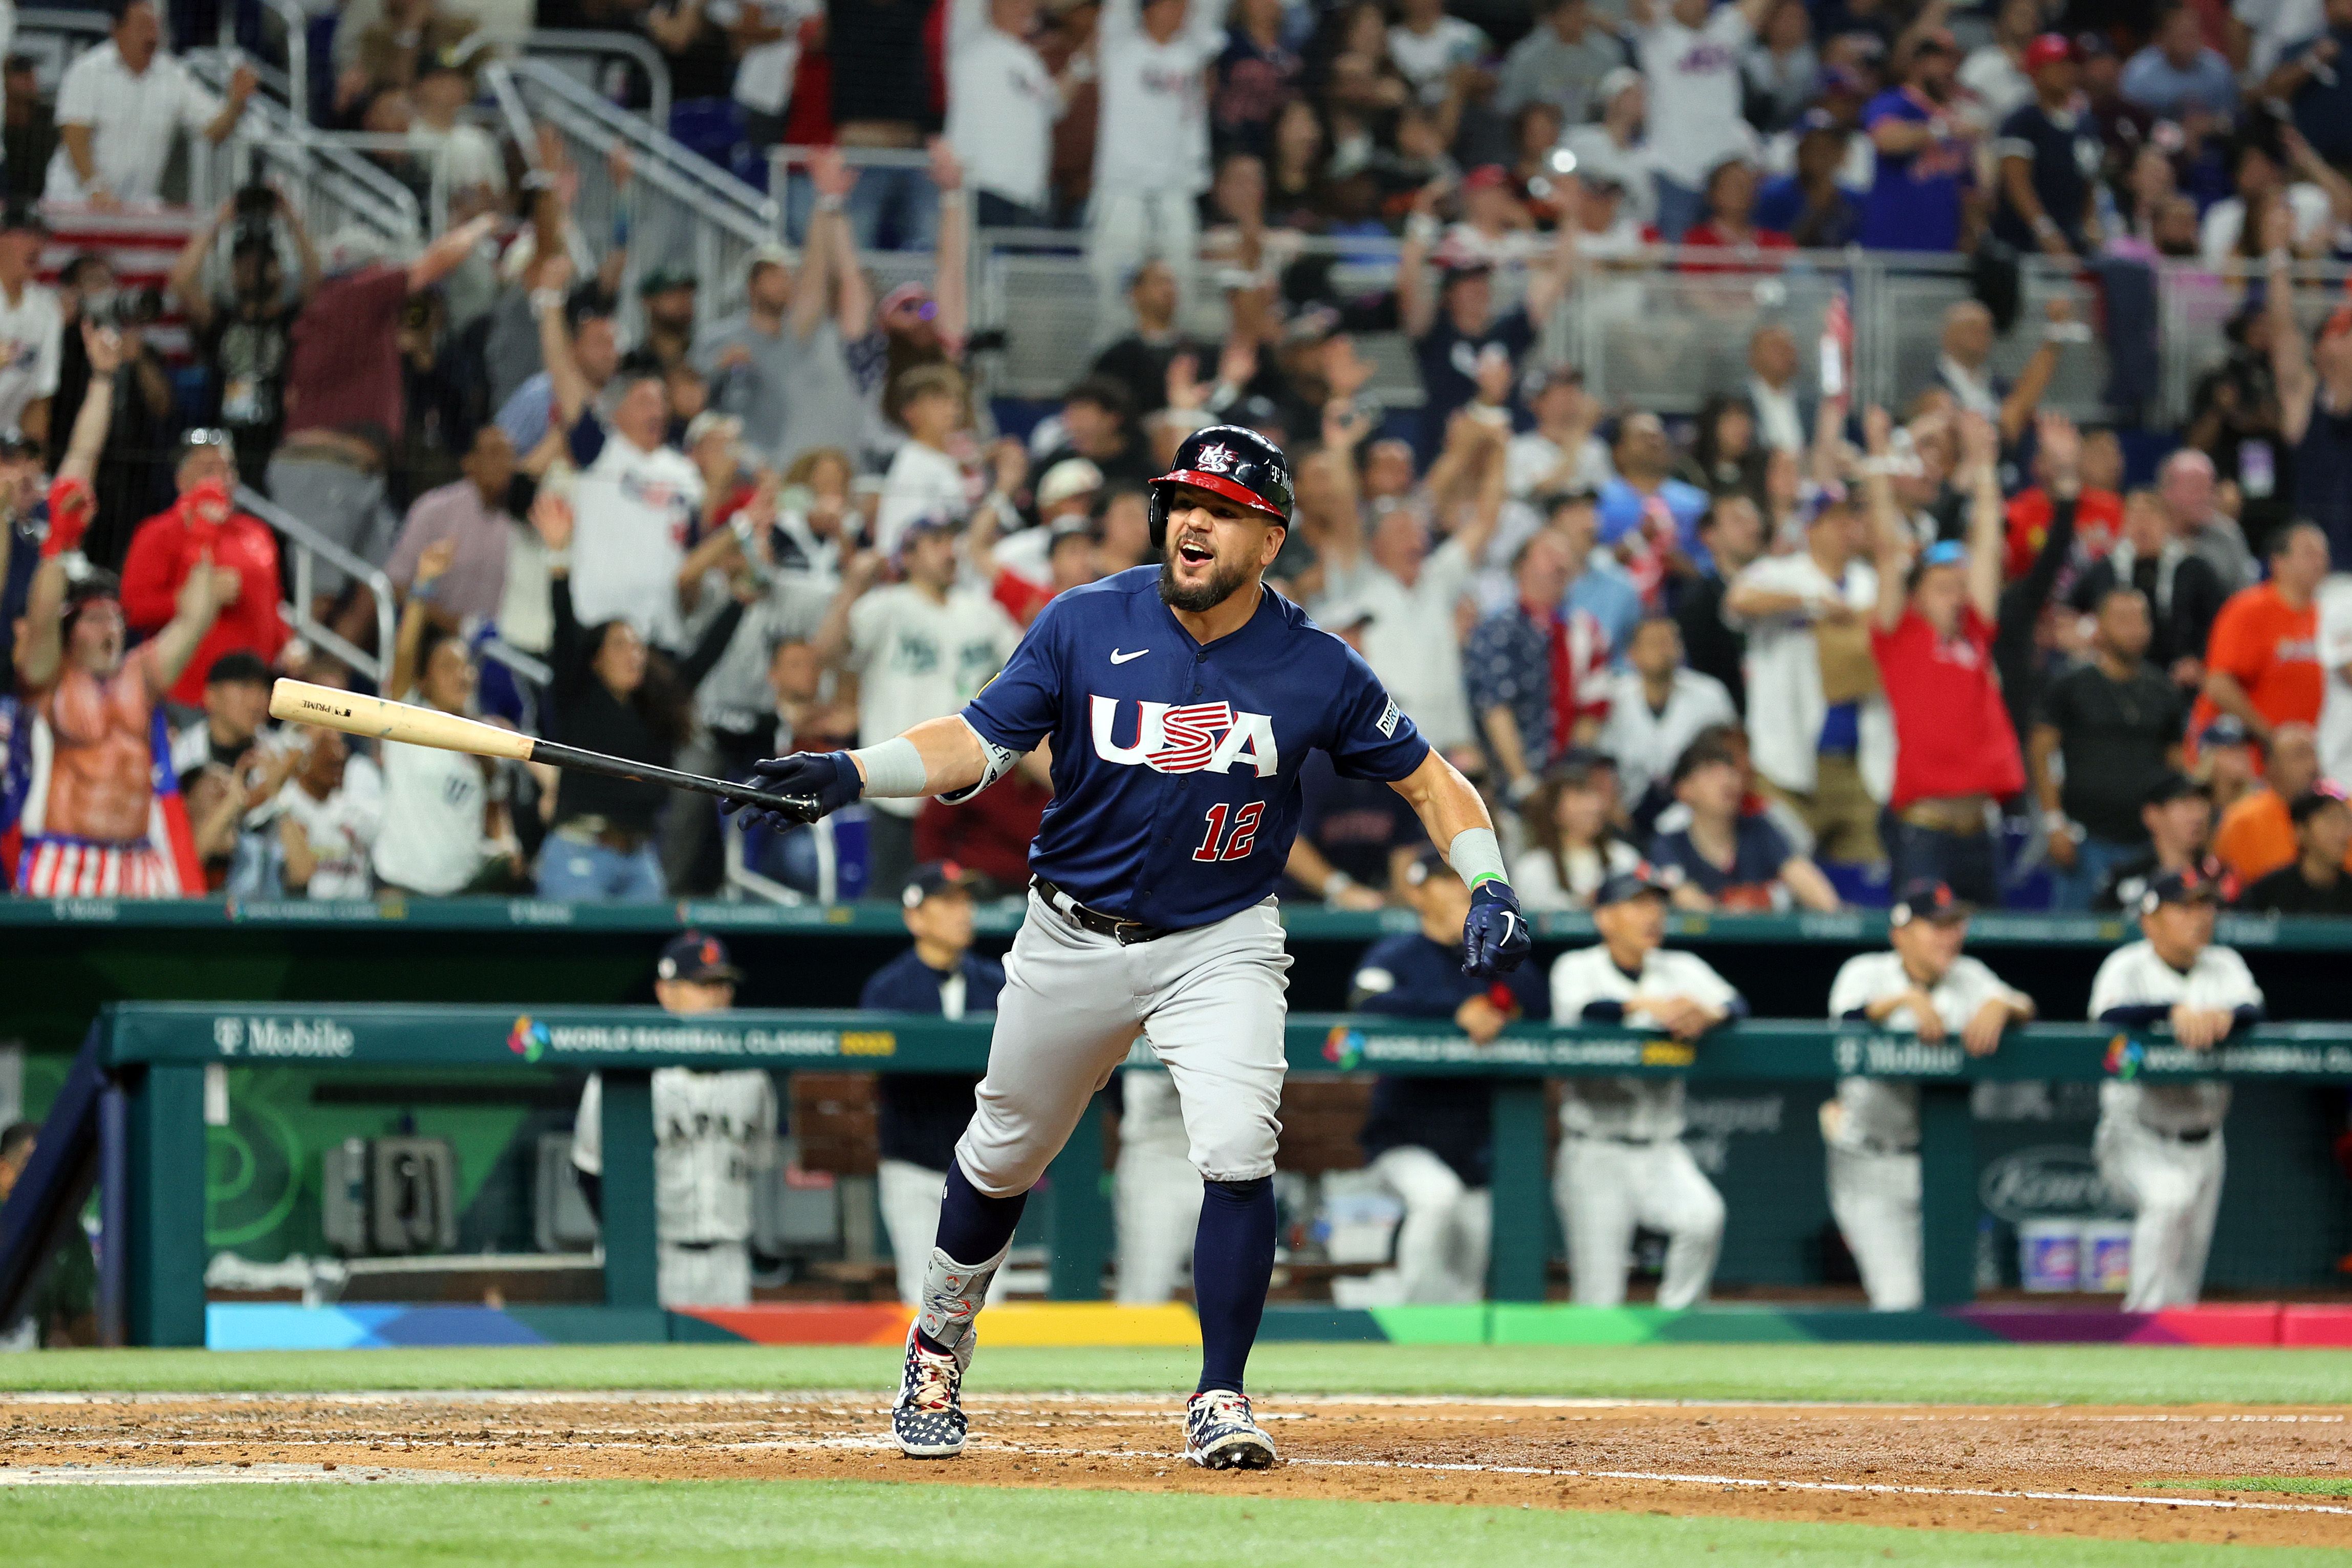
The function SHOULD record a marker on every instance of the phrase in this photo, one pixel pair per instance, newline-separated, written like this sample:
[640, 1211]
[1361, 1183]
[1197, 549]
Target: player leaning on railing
[1182, 704]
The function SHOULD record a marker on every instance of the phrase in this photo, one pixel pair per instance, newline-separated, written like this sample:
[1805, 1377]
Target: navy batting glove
[826, 781]
[1495, 937]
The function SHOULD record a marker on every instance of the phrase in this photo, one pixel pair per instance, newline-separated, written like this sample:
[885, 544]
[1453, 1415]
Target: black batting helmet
[1227, 460]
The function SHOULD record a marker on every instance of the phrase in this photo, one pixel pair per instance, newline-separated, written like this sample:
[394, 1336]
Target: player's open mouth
[1194, 552]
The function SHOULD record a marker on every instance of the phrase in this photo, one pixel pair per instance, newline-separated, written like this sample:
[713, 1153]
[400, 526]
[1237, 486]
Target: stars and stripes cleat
[928, 1418]
[1221, 1435]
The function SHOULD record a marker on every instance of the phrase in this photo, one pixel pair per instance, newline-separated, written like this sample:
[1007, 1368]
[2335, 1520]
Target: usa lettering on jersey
[1202, 736]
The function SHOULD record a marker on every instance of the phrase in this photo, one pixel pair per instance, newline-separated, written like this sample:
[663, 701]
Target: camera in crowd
[139, 307]
[256, 218]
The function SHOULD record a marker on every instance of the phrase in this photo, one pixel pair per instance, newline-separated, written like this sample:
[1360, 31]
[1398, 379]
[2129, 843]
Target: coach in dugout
[1925, 986]
[923, 1114]
[712, 1131]
[1623, 1163]
[2159, 1145]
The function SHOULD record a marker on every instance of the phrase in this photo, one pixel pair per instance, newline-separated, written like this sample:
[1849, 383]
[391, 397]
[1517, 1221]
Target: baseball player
[1180, 702]
[2159, 1145]
[1428, 1138]
[923, 1114]
[711, 1132]
[1621, 1159]
[1924, 986]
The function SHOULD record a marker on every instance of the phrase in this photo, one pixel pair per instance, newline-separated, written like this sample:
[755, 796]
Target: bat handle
[800, 808]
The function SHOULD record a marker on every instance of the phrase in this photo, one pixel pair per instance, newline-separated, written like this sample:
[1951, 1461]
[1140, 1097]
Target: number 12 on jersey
[1245, 832]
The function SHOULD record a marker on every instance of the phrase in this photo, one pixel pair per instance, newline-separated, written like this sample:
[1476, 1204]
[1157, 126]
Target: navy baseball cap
[2169, 787]
[2228, 730]
[691, 955]
[1623, 886]
[2188, 885]
[1925, 899]
[935, 877]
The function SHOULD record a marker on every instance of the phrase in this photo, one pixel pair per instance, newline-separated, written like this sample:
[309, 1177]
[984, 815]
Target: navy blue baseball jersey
[1411, 977]
[922, 1114]
[1176, 766]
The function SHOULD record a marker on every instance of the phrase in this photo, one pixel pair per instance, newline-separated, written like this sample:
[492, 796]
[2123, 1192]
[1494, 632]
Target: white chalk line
[235, 1474]
[1754, 1483]
[883, 1443]
[857, 1402]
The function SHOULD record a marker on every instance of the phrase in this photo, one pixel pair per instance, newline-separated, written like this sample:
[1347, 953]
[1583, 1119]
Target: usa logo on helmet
[1214, 460]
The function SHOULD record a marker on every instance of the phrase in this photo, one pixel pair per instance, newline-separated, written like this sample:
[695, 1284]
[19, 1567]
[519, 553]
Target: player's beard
[1223, 584]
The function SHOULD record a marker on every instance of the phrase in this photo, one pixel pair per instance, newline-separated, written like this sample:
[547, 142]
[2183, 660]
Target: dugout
[2287, 1217]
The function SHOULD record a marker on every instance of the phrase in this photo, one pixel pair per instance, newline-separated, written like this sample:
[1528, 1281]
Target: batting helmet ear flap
[1155, 508]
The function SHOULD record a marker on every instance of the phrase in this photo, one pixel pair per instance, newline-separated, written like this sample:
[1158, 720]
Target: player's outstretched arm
[1495, 937]
[938, 756]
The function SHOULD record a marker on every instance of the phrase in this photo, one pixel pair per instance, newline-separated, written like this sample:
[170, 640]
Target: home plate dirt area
[2080, 1471]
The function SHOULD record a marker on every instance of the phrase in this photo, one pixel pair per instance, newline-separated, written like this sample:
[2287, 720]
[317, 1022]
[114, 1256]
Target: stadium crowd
[1790, 653]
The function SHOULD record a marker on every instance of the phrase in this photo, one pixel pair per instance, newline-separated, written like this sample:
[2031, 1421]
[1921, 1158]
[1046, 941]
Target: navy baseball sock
[1233, 1264]
[973, 1226]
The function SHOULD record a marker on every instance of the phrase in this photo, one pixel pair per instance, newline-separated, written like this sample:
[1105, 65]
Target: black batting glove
[818, 783]
[1495, 936]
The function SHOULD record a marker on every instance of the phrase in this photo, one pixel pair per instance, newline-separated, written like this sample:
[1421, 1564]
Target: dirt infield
[2060, 1470]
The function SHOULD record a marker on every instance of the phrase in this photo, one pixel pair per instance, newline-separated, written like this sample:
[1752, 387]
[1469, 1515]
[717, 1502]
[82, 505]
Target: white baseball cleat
[928, 1416]
[1220, 1434]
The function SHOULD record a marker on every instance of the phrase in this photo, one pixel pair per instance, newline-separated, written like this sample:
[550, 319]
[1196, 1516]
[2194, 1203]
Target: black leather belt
[2194, 1135]
[1125, 932]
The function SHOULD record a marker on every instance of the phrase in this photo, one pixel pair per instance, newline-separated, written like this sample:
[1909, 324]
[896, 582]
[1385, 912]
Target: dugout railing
[61, 960]
[133, 1117]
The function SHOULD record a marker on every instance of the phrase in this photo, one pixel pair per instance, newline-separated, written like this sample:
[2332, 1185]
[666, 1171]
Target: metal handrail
[308, 542]
[712, 190]
[528, 664]
[360, 142]
[360, 186]
[540, 42]
[297, 51]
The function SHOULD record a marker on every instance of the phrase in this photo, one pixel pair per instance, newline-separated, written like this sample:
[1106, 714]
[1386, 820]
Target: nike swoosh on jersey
[1119, 657]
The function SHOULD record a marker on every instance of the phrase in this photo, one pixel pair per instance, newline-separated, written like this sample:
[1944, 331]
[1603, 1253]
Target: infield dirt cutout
[2072, 1469]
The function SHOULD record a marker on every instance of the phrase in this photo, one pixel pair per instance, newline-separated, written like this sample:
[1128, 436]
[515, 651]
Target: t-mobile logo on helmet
[1205, 737]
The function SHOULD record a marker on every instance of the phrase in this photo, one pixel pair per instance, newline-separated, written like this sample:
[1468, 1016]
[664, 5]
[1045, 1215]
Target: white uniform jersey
[1154, 134]
[1639, 1108]
[429, 838]
[2134, 976]
[2335, 654]
[1881, 1115]
[711, 1132]
[1001, 106]
[917, 658]
[31, 338]
[633, 510]
[1693, 79]
[1646, 743]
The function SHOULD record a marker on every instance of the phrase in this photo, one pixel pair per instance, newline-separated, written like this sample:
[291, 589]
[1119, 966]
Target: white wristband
[894, 770]
[1476, 857]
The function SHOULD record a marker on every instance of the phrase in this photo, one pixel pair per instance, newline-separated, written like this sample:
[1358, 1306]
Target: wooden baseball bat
[380, 719]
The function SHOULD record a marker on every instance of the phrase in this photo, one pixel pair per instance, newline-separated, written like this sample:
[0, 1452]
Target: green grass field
[812, 1523]
[581, 1524]
[1967, 1374]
